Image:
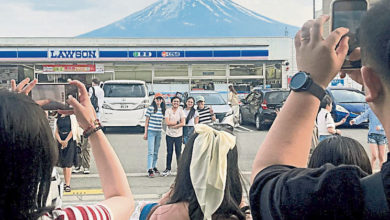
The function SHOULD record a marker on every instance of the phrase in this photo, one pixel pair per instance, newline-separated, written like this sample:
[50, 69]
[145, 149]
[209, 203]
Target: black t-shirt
[328, 192]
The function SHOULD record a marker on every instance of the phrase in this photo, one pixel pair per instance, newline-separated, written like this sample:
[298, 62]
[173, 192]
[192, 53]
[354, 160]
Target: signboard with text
[73, 69]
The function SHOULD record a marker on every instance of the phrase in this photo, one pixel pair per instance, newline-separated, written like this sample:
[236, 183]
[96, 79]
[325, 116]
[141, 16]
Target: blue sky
[68, 18]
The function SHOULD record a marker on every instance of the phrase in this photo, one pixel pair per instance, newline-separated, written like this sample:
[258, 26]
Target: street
[132, 152]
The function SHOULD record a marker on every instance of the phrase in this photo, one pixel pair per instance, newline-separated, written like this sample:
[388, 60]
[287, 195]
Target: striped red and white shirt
[87, 212]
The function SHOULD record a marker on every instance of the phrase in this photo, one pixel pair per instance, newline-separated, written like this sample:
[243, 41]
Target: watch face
[298, 80]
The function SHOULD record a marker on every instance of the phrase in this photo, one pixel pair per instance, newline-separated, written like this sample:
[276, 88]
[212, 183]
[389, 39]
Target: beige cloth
[233, 99]
[209, 165]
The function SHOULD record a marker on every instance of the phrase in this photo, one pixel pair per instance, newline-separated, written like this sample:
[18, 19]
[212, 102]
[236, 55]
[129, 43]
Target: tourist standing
[153, 126]
[234, 103]
[192, 118]
[175, 120]
[98, 92]
[206, 114]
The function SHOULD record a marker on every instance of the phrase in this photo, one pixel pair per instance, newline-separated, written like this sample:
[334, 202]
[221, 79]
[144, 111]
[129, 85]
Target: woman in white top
[192, 118]
[175, 120]
[325, 122]
[234, 103]
[28, 151]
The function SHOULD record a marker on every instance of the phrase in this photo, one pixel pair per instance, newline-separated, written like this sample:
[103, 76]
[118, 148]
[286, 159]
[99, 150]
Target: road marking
[243, 128]
[95, 175]
[84, 192]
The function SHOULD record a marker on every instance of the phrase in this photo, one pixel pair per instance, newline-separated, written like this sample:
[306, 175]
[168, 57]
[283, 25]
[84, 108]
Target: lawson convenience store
[165, 64]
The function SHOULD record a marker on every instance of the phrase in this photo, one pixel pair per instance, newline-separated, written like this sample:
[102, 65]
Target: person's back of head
[375, 39]
[339, 150]
[326, 101]
[27, 156]
[95, 82]
[184, 189]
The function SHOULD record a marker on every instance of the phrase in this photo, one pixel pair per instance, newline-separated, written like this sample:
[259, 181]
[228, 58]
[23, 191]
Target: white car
[125, 103]
[216, 101]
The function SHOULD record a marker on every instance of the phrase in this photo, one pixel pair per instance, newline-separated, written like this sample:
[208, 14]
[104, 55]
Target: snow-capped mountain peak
[194, 18]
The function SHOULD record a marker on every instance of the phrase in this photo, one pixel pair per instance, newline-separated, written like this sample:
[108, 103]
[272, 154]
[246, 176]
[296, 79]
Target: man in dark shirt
[282, 188]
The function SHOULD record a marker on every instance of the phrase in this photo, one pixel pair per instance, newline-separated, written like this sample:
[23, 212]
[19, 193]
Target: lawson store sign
[134, 54]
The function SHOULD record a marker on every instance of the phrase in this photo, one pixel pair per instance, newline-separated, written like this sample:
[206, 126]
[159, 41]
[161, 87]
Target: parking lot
[132, 150]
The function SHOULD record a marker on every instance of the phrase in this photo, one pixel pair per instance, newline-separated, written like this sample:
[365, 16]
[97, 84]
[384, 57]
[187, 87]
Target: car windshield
[276, 97]
[124, 90]
[348, 96]
[211, 98]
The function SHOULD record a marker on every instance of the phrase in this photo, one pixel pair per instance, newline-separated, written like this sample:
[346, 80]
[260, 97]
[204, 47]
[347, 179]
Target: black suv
[259, 106]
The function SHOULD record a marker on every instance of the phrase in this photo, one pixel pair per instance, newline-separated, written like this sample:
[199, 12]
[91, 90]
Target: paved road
[132, 149]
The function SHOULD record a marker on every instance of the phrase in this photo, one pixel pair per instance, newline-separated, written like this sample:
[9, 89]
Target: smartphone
[56, 94]
[349, 13]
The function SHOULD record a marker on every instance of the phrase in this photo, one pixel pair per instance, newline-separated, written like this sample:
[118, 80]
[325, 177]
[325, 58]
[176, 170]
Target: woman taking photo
[28, 153]
[192, 118]
[67, 133]
[153, 126]
[175, 119]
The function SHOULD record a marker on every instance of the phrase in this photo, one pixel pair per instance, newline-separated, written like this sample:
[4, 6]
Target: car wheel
[258, 123]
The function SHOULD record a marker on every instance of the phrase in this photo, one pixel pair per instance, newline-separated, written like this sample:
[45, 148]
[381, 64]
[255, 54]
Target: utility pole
[314, 9]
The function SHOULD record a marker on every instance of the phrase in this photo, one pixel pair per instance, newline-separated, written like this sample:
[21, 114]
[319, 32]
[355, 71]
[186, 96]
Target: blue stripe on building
[111, 54]
[32, 54]
[8, 54]
[254, 53]
[227, 53]
[149, 54]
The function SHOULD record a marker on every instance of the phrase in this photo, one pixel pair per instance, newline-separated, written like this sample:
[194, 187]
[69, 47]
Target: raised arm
[288, 141]
[117, 193]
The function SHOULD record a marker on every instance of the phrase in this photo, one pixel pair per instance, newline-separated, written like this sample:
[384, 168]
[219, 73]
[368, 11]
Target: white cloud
[31, 18]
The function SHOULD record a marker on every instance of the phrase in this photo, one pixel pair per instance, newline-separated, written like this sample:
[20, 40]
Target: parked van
[125, 103]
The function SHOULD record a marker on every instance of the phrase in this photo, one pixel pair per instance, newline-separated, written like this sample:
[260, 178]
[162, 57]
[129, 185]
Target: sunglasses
[159, 98]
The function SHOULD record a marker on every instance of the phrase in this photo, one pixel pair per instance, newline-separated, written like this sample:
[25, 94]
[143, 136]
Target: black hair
[162, 105]
[339, 150]
[175, 97]
[183, 190]
[28, 153]
[192, 110]
[232, 89]
[375, 39]
[96, 81]
[327, 100]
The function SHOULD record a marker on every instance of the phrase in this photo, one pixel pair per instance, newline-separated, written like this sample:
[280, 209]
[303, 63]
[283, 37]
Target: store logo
[73, 54]
[170, 54]
[142, 54]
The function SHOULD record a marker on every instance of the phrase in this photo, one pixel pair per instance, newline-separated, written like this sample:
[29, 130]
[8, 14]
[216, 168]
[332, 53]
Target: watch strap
[316, 90]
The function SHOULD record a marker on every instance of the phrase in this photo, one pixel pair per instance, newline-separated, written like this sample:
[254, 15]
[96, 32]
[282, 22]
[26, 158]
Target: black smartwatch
[302, 82]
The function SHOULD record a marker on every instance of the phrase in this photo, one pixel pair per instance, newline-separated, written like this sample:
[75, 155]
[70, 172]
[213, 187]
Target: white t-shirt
[191, 122]
[99, 94]
[324, 121]
[174, 117]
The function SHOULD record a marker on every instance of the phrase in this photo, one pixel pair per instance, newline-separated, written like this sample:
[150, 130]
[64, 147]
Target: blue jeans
[154, 139]
[323, 137]
[170, 142]
[187, 132]
[378, 139]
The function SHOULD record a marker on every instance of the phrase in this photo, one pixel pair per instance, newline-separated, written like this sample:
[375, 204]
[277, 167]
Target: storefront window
[208, 70]
[246, 69]
[134, 72]
[166, 70]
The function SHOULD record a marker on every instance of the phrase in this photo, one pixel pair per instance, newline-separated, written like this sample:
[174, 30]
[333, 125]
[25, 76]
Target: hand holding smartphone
[349, 13]
[55, 95]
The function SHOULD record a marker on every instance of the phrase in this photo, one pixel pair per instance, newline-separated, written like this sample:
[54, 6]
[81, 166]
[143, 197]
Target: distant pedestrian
[175, 120]
[98, 92]
[325, 122]
[153, 126]
[206, 114]
[376, 135]
[192, 118]
[234, 103]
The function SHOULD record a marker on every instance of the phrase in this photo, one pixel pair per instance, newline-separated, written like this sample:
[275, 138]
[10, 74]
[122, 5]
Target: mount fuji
[194, 19]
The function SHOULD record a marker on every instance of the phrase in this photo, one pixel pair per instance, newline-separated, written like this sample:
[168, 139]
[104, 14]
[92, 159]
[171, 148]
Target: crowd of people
[335, 183]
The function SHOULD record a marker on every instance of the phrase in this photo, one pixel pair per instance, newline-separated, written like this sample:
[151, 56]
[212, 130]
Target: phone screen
[349, 14]
[55, 94]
